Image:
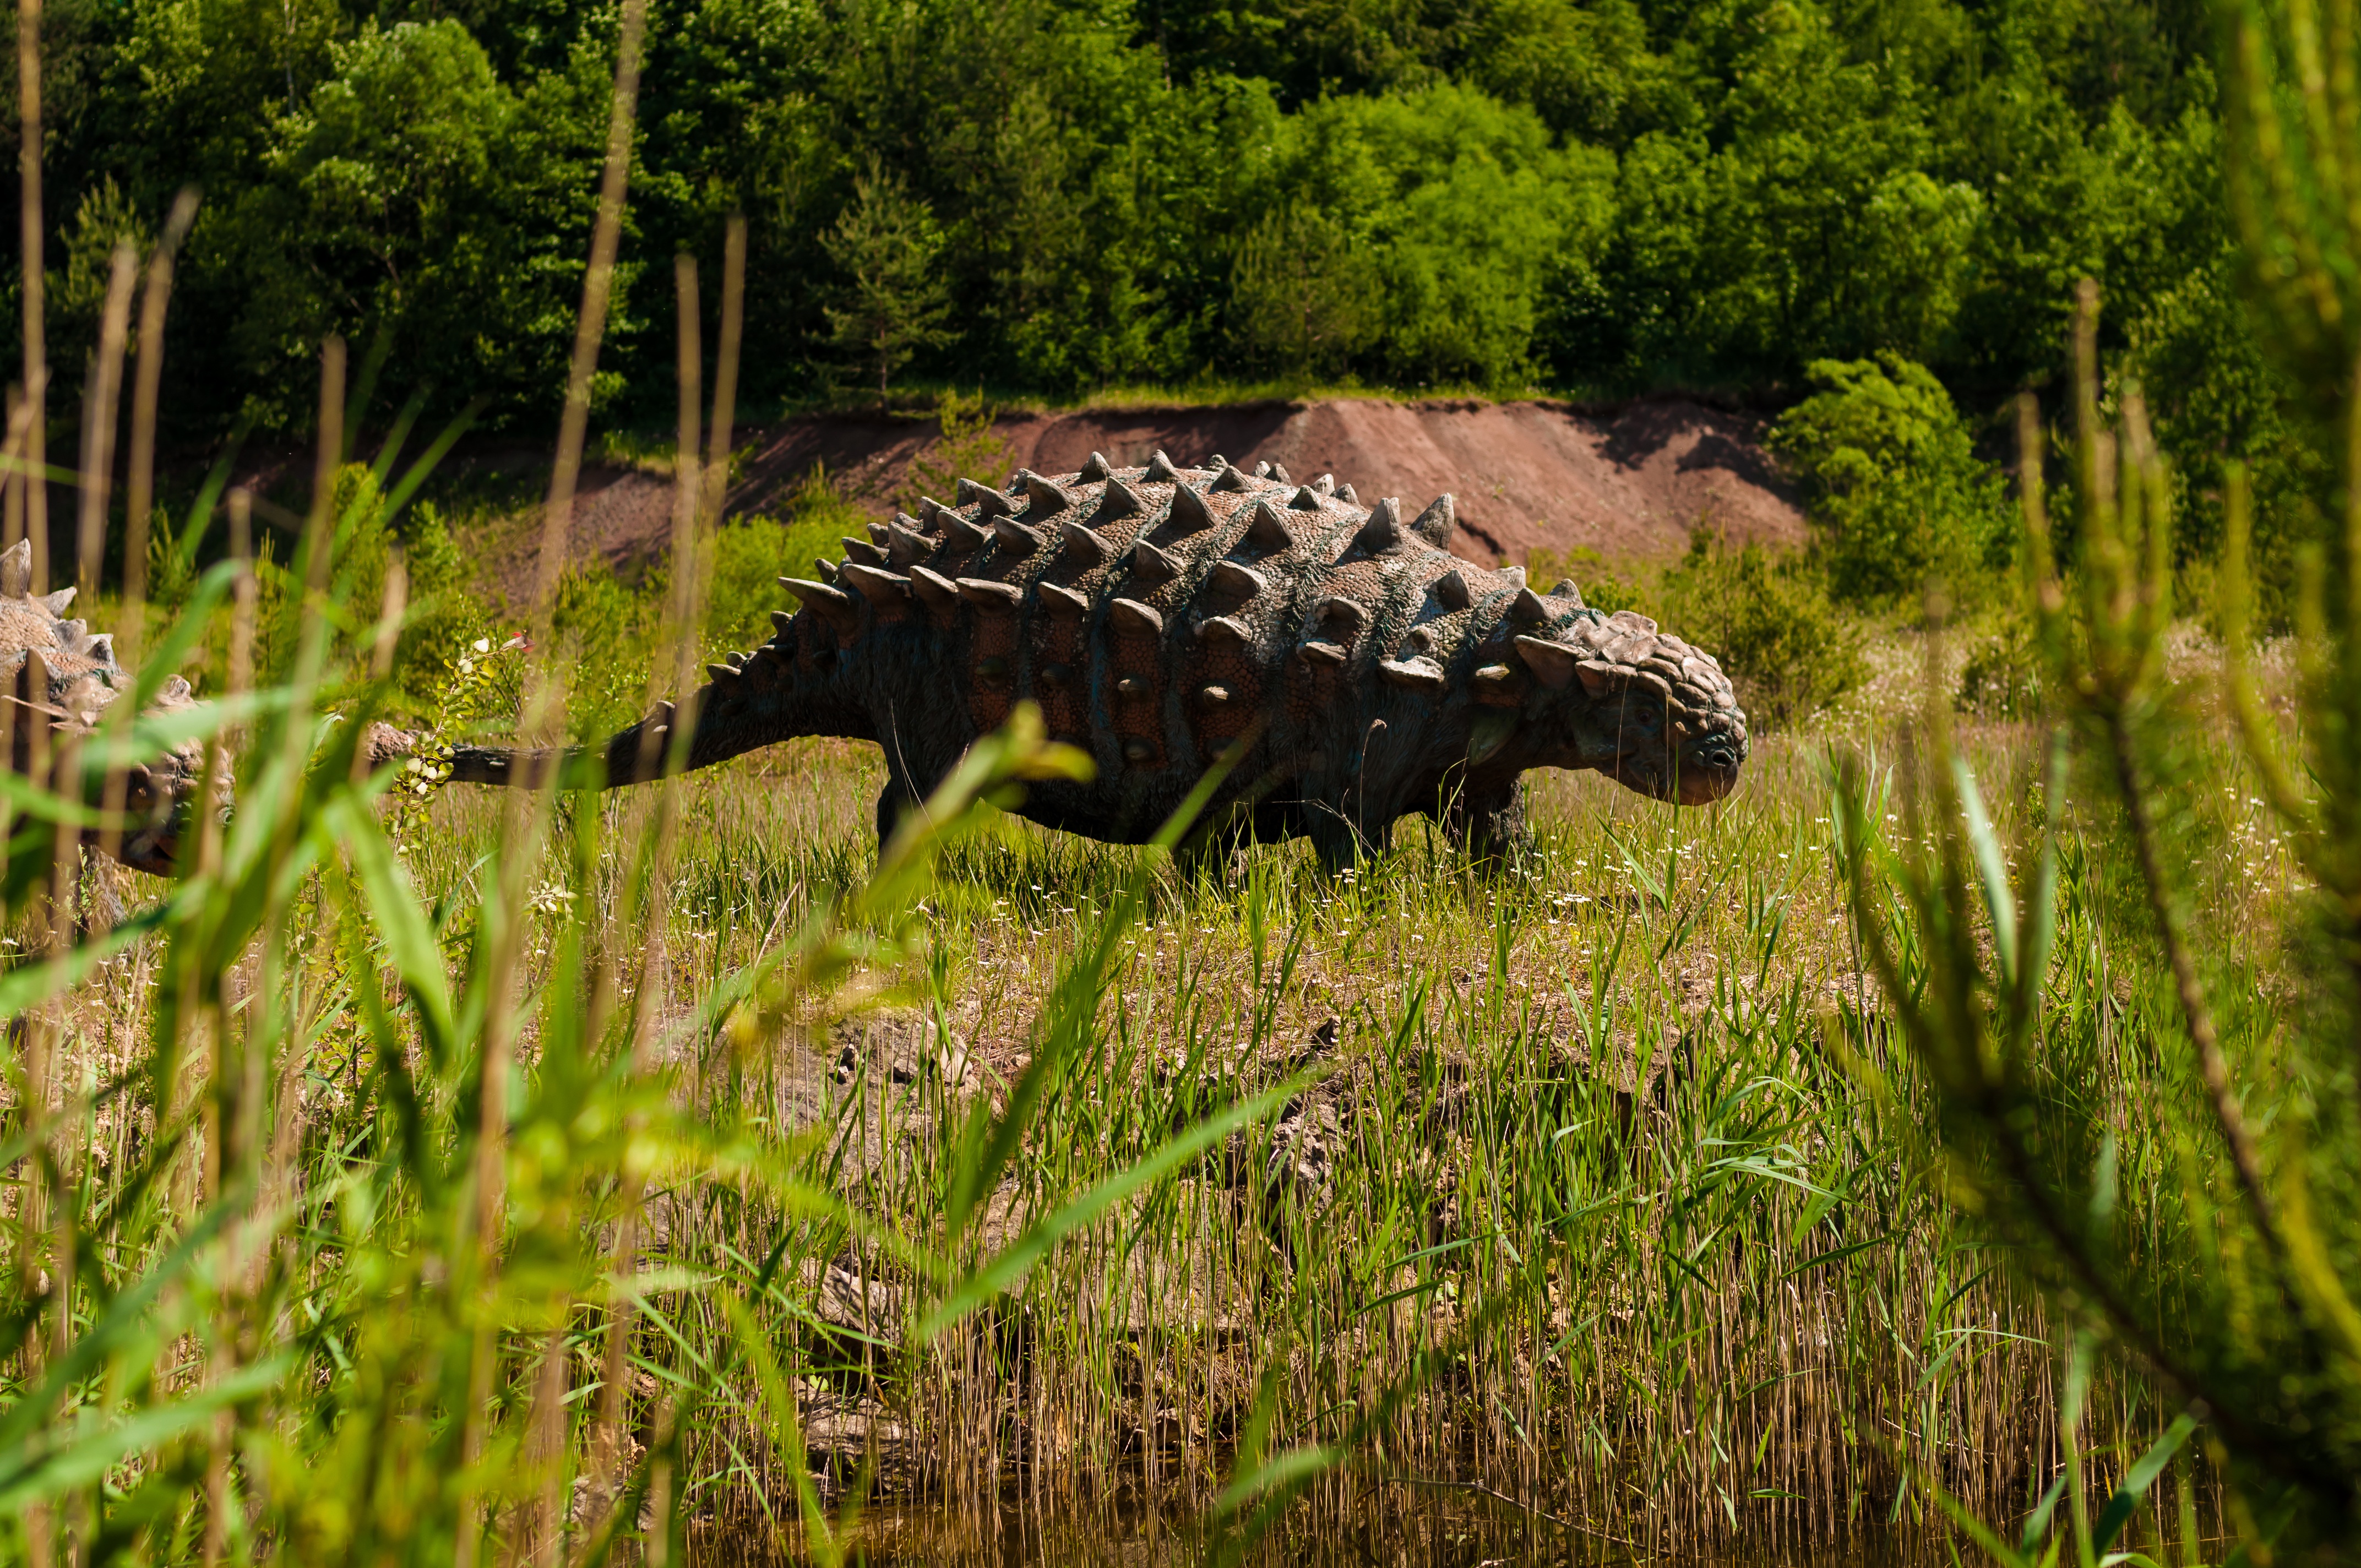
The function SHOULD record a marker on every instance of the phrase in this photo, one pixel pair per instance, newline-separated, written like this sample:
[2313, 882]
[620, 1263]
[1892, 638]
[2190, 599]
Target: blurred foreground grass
[1602, 1187]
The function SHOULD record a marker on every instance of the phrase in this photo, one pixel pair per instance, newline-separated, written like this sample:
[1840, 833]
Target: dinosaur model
[57, 677]
[1160, 614]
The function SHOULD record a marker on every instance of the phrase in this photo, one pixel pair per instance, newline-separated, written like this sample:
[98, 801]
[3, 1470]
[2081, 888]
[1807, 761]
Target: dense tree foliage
[1592, 195]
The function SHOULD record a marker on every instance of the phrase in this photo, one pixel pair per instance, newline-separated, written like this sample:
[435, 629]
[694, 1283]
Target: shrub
[447, 613]
[750, 556]
[966, 447]
[1586, 569]
[1303, 297]
[1895, 492]
[751, 553]
[2217, 396]
[358, 556]
[1785, 644]
[604, 636]
[2001, 678]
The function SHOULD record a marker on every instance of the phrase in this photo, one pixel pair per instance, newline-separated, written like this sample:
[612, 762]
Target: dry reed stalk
[207, 1018]
[528, 813]
[12, 482]
[199, 1178]
[101, 403]
[244, 592]
[679, 636]
[32, 1212]
[139, 487]
[52, 1166]
[386, 640]
[677, 646]
[539, 1520]
[725, 370]
[20, 413]
[237, 1072]
[557, 524]
[30, 233]
[317, 548]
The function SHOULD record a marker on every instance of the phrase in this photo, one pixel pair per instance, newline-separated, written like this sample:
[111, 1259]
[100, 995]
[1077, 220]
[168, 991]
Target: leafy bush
[2002, 676]
[608, 629]
[1586, 569]
[1786, 646]
[2217, 398]
[1304, 299]
[361, 549]
[751, 553]
[414, 200]
[605, 636]
[966, 447]
[446, 612]
[1457, 206]
[1896, 494]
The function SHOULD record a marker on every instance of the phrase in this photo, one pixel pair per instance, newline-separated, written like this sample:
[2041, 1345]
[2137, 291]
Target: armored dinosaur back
[1161, 615]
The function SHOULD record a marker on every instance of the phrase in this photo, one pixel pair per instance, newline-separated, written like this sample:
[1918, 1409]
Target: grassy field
[1598, 1195]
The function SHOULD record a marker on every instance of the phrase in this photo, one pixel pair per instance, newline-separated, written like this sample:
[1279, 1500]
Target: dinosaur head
[1648, 710]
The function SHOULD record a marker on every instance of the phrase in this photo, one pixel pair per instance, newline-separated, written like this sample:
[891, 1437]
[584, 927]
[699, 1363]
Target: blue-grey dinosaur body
[1158, 615]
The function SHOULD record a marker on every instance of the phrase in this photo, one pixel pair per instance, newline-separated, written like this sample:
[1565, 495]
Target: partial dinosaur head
[60, 677]
[1646, 709]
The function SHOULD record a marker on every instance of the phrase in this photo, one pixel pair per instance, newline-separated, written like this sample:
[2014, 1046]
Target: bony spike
[1435, 523]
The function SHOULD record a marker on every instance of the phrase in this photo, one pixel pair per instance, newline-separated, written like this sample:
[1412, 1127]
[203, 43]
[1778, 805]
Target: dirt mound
[1526, 474]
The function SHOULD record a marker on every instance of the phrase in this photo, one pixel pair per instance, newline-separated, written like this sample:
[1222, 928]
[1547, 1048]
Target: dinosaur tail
[751, 702]
[635, 755]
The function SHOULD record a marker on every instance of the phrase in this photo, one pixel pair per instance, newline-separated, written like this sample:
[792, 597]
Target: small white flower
[483, 644]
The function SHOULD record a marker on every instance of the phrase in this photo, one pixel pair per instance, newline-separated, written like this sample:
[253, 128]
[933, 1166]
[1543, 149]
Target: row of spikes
[1040, 489]
[908, 541]
[73, 637]
[866, 564]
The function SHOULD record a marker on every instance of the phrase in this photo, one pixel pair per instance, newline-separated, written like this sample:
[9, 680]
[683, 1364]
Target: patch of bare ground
[1630, 484]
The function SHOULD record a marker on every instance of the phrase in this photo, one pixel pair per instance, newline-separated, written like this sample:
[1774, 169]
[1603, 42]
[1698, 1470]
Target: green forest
[1058, 197]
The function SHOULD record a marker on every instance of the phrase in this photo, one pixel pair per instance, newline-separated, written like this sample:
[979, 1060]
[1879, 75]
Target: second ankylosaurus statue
[1158, 614]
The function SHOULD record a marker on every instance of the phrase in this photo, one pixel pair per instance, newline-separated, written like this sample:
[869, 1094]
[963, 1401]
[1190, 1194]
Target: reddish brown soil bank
[1526, 473]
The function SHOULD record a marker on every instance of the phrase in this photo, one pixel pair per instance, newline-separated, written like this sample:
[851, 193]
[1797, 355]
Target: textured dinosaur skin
[59, 678]
[1158, 615]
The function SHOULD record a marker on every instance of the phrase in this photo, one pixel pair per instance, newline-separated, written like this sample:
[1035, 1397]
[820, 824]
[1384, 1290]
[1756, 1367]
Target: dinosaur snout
[1708, 767]
[1708, 778]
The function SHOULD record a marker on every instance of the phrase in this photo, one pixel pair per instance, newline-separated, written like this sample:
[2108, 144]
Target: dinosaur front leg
[1334, 840]
[894, 802]
[1488, 822]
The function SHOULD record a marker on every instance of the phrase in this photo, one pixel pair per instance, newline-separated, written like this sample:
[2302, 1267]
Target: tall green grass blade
[2137, 1480]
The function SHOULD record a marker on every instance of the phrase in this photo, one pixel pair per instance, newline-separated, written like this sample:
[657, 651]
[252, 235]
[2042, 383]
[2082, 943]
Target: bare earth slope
[1526, 473]
[1630, 484]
